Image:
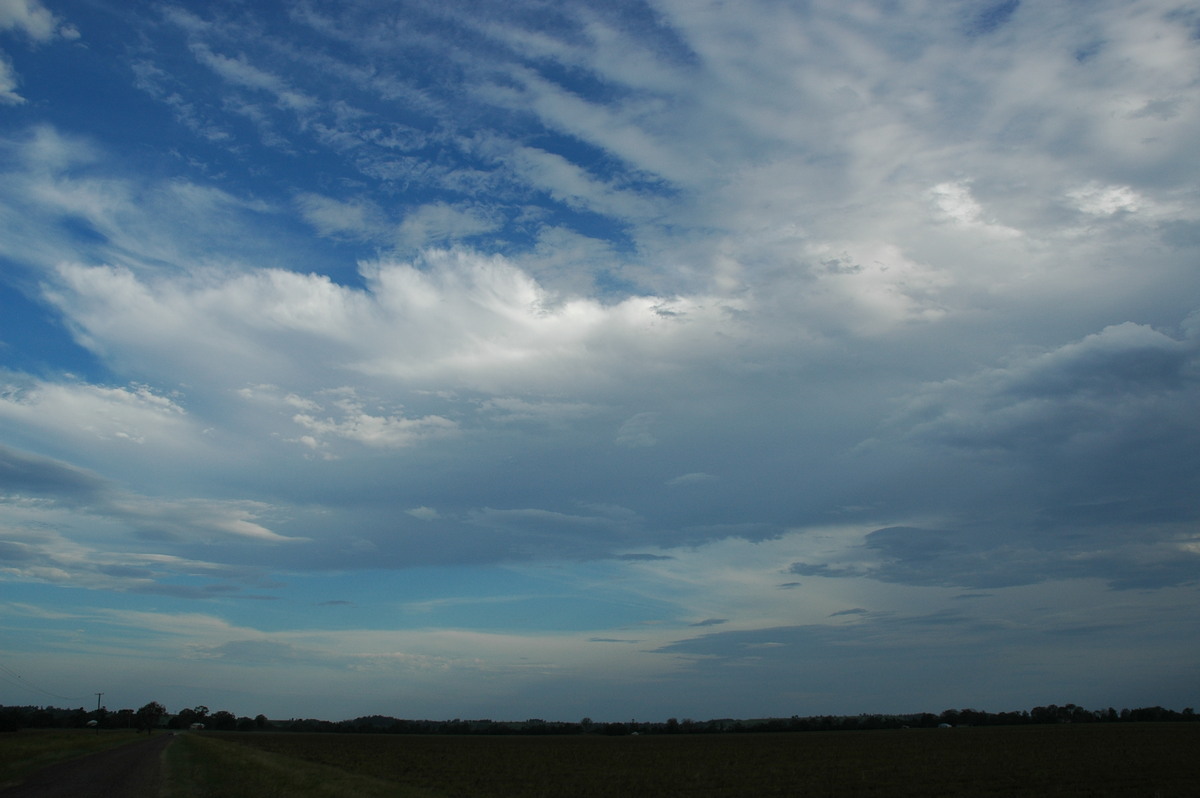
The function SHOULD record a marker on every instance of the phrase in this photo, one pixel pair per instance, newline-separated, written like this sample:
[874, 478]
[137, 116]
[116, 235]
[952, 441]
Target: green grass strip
[200, 766]
[30, 750]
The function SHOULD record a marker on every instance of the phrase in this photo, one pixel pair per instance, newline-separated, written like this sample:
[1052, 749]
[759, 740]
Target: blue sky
[621, 360]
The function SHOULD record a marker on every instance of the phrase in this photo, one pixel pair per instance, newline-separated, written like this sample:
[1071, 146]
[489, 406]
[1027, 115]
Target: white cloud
[34, 20]
[357, 218]
[568, 183]
[512, 409]
[694, 478]
[1102, 200]
[239, 71]
[956, 204]
[567, 262]
[439, 223]
[87, 545]
[47, 151]
[423, 513]
[713, 249]
[56, 180]
[873, 287]
[638, 431]
[238, 314]
[113, 415]
[389, 431]
[28, 16]
[459, 320]
[626, 57]
[8, 84]
[614, 129]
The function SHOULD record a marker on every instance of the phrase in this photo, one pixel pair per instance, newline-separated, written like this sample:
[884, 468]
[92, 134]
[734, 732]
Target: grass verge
[201, 766]
[30, 750]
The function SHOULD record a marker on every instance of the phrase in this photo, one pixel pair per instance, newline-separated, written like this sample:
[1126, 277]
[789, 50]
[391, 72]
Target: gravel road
[130, 771]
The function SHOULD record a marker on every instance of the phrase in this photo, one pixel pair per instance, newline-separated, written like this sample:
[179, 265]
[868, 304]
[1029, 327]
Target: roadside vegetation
[31, 750]
[204, 766]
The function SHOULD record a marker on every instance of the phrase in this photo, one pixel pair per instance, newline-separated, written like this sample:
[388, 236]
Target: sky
[623, 360]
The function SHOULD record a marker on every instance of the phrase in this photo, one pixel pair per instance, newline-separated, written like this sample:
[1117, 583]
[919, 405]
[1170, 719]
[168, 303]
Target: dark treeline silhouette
[19, 717]
[36, 717]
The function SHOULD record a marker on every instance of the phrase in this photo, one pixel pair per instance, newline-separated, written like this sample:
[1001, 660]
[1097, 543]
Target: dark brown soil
[131, 771]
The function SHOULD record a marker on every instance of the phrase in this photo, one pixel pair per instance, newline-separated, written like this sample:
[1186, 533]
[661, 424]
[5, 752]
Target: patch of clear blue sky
[32, 337]
[993, 17]
[482, 599]
[193, 136]
[479, 599]
[69, 613]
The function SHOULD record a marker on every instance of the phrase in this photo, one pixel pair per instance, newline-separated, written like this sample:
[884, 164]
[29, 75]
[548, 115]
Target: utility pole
[98, 712]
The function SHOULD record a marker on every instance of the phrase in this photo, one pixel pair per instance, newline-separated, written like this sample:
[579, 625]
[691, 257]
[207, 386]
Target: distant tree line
[148, 718]
[154, 715]
[1070, 713]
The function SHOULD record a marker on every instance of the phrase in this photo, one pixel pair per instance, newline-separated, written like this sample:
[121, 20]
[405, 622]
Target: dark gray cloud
[13, 552]
[1072, 461]
[42, 553]
[1133, 556]
[886, 661]
[1125, 383]
[32, 474]
[1181, 233]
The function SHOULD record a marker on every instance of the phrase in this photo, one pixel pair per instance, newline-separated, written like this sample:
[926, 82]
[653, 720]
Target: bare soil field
[1142, 759]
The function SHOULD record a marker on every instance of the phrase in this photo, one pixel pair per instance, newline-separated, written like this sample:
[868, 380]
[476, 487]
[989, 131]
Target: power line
[10, 676]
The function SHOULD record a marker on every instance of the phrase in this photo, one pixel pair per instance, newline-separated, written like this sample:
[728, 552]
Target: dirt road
[131, 771]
